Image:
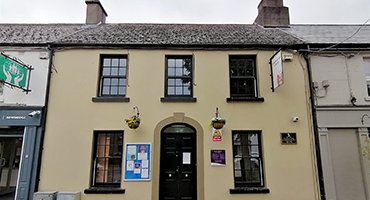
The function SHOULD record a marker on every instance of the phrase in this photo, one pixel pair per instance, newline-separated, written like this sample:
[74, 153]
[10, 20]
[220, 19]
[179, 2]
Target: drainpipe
[315, 128]
[43, 123]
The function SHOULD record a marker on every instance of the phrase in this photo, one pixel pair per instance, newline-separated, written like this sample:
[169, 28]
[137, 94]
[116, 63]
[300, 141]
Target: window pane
[114, 90]
[171, 90]
[106, 90]
[122, 71]
[171, 63]
[242, 87]
[115, 62]
[171, 82]
[122, 62]
[112, 70]
[187, 90]
[122, 90]
[179, 62]
[247, 159]
[179, 71]
[106, 62]
[106, 81]
[108, 159]
[171, 71]
[179, 76]
[178, 90]
[106, 71]
[187, 72]
[114, 81]
[122, 82]
[242, 76]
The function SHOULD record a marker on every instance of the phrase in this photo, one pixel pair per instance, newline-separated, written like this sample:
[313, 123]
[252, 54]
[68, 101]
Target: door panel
[345, 152]
[178, 164]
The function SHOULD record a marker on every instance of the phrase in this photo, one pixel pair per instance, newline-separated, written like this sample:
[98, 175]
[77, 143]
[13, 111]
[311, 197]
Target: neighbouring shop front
[20, 141]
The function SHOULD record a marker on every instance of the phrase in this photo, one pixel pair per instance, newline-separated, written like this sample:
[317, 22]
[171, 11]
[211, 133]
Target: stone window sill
[250, 190]
[104, 190]
[244, 99]
[110, 99]
[179, 99]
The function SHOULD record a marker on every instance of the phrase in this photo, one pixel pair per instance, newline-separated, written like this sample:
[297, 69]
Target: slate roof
[142, 35]
[331, 34]
[182, 35]
[35, 34]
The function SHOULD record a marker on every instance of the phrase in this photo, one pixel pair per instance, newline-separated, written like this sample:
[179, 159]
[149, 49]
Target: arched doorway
[178, 162]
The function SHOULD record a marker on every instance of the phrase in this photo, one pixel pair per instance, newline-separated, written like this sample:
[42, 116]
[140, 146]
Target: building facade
[24, 73]
[339, 58]
[176, 86]
[21, 124]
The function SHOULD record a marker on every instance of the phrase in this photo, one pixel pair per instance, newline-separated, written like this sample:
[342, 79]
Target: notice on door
[186, 158]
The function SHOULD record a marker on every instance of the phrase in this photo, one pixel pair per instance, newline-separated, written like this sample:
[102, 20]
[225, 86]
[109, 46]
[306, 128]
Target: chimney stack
[95, 12]
[272, 13]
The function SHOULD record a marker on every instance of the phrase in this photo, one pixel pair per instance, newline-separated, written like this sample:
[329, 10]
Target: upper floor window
[247, 154]
[243, 76]
[179, 76]
[367, 74]
[107, 159]
[113, 75]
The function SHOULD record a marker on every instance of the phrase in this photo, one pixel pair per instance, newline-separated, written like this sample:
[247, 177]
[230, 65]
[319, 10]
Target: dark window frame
[95, 157]
[245, 185]
[254, 77]
[167, 77]
[118, 76]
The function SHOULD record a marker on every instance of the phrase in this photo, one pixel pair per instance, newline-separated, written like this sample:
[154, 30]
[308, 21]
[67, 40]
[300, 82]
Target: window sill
[178, 99]
[367, 98]
[110, 99]
[245, 99]
[104, 190]
[250, 190]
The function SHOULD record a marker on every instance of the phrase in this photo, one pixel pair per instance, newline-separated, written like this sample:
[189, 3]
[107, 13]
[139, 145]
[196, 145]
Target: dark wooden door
[178, 177]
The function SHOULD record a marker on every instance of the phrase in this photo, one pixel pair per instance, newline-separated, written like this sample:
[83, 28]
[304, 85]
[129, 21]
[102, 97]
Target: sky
[183, 11]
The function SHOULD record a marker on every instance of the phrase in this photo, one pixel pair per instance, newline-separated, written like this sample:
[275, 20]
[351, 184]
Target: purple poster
[218, 158]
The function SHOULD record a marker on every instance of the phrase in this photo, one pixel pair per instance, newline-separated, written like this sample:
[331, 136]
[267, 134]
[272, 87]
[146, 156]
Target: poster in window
[218, 157]
[137, 162]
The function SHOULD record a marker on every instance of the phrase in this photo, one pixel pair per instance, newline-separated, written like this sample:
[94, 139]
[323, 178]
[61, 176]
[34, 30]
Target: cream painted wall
[72, 118]
[12, 96]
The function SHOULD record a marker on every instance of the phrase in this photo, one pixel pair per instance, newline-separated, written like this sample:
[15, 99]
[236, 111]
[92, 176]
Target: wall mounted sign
[137, 162]
[216, 135]
[218, 157]
[277, 76]
[14, 73]
[288, 138]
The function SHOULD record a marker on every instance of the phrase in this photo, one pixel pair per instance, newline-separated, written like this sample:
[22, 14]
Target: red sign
[216, 135]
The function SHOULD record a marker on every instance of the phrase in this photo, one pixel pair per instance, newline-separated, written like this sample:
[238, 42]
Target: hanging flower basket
[133, 122]
[218, 123]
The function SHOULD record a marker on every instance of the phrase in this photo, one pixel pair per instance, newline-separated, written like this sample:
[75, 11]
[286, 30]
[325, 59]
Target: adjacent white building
[339, 57]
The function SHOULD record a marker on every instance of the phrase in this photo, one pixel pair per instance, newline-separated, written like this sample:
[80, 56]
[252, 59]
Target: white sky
[182, 11]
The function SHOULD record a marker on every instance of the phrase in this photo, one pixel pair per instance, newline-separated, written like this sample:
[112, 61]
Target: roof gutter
[176, 46]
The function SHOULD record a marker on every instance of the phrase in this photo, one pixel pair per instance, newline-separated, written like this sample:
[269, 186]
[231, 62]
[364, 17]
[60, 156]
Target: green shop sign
[14, 73]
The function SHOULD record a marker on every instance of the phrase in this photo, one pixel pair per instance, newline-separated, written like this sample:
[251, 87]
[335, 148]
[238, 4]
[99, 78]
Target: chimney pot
[95, 12]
